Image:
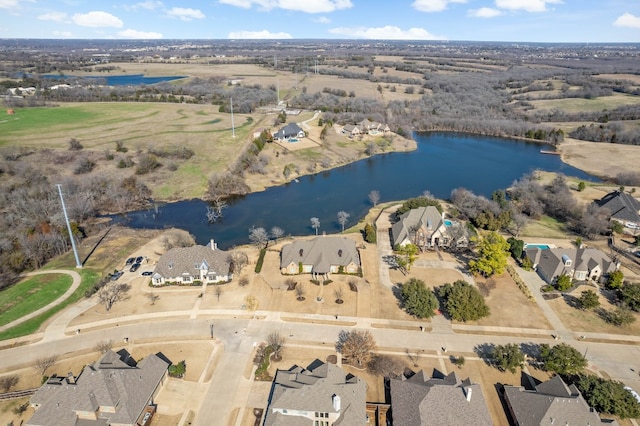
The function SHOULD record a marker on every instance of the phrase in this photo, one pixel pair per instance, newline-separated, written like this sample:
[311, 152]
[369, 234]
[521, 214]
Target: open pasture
[573, 105]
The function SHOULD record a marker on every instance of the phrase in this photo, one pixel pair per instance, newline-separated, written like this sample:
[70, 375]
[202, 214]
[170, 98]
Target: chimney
[335, 399]
[70, 379]
[468, 392]
[213, 245]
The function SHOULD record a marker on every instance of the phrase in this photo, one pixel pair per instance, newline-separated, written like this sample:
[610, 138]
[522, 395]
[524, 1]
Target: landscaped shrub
[353, 286]
[260, 260]
[178, 370]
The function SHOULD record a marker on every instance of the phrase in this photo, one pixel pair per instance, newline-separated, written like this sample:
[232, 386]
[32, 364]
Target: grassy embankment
[30, 295]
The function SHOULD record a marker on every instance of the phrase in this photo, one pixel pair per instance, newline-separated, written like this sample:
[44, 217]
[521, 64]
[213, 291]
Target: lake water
[120, 80]
[442, 162]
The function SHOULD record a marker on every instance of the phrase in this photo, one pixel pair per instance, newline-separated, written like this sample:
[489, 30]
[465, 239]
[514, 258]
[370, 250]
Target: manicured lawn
[30, 295]
[89, 277]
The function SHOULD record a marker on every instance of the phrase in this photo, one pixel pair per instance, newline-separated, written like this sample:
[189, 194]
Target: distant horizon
[508, 21]
[330, 40]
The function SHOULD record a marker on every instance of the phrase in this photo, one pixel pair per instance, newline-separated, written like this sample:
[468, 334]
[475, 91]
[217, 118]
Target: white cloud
[185, 13]
[526, 5]
[484, 12]
[388, 32]
[63, 34]
[146, 5]
[627, 20]
[138, 34]
[264, 34]
[53, 16]
[307, 6]
[433, 5]
[97, 19]
[322, 20]
[8, 4]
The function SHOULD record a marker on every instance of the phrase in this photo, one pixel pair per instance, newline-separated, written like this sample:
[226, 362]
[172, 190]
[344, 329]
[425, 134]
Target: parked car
[147, 273]
[130, 261]
[116, 275]
[139, 259]
[134, 267]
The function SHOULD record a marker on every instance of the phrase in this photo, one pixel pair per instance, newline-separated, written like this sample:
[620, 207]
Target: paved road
[74, 286]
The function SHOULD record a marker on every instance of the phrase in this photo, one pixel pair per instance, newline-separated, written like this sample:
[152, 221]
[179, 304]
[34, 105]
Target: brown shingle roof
[181, 261]
[321, 252]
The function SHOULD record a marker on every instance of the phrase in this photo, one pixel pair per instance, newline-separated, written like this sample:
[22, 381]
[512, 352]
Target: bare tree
[386, 366]
[42, 364]
[300, 292]
[343, 217]
[214, 211]
[218, 291]
[277, 232]
[112, 293]
[259, 237]
[104, 346]
[276, 342]
[338, 293]
[7, 382]
[356, 346]
[238, 260]
[153, 297]
[315, 224]
[413, 357]
[374, 197]
[518, 222]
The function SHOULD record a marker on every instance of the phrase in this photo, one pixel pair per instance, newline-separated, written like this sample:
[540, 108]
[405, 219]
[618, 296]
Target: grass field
[89, 277]
[30, 295]
[572, 105]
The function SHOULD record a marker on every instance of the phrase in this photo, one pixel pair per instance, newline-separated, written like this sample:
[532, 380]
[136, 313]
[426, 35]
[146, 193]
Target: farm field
[571, 105]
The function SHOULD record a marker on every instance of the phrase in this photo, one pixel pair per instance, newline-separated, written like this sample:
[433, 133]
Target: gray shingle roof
[109, 382]
[420, 400]
[312, 389]
[550, 263]
[622, 206]
[183, 260]
[290, 130]
[552, 402]
[321, 252]
[428, 217]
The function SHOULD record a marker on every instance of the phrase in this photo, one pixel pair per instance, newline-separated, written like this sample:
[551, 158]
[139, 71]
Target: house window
[186, 279]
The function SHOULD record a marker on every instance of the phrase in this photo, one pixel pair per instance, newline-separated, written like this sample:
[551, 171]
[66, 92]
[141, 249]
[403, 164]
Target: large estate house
[185, 265]
[365, 127]
[624, 208]
[320, 256]
[424, 400]
[581, 264]
[290, 131]
[550, 403]
[115, 391]
[320, 395]
[422, 226]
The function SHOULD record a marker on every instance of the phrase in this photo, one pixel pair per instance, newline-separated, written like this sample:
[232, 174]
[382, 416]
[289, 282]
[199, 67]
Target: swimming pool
[293, 140]
[540, 246]
[447, 222]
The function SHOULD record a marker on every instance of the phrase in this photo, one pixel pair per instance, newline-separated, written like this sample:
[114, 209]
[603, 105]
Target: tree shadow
[483, 350]
[610, 295]
[531, 350]
[572, 301]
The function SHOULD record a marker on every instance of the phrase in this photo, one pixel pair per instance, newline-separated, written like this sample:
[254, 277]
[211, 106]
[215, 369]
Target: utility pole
[233, 127]
[66, 218]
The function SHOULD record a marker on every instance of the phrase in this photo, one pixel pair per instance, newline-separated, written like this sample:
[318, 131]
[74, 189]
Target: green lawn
[89, 277]
[30, 295]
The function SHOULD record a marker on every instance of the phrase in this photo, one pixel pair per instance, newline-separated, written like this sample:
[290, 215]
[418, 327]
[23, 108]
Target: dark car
[116, 275]
[139, 259]
[147, 273]
[134, 267]
[130, 261]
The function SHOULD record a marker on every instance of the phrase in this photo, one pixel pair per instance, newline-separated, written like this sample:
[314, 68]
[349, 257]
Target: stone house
[114, 391]
[581, 264]
[320, 256]
[320, 395]
[184, 265]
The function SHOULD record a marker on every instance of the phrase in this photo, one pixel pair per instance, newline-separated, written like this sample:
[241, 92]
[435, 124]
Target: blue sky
[475, 20]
